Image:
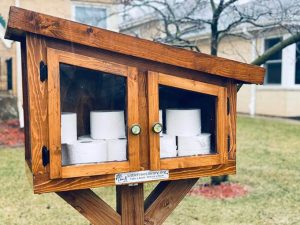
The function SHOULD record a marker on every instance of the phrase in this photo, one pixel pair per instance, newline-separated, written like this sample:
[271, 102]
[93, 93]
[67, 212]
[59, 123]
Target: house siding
[283, 100]
[59, 8]
[275, 101]
[6, 53]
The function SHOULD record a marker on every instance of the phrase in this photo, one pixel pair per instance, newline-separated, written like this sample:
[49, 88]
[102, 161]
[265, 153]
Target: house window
[9, 74]
[91, 15]
[274, 64]
[297, 75]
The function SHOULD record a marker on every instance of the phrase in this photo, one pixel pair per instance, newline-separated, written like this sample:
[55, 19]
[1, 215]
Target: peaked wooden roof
[22, 21]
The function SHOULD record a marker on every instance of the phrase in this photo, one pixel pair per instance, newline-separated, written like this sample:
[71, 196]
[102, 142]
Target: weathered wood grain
[133, 118]
[94, 169]
[143, 120]
[38, 102]
[74, 59]
[160, 205]
[190, 161]
[21, 20]
[222, 125]
[186, 84]
[153, 112]
[143, 64]
[232, 98]
[130, 204]
[42, 183]
[87, 203]
[25, 102]
[154, 194]
[54, 114]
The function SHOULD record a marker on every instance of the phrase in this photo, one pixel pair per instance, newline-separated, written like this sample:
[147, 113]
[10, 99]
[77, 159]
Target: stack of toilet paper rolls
[107, 141]
[110, 126]
[186, 125]
[168, 146]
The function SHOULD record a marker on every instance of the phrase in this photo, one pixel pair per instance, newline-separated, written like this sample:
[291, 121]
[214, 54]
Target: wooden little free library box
[103, 108]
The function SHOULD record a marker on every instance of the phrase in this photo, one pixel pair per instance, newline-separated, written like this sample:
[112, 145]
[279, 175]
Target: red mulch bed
[10, 134]
[222, 191]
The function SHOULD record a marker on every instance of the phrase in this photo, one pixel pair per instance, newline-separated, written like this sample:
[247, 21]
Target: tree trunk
[214, 51]
[214, 38]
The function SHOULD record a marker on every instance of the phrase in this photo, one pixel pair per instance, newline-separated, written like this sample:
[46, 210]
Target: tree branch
[213, 5]
[276, 48]
[228, 3]
[273, 50]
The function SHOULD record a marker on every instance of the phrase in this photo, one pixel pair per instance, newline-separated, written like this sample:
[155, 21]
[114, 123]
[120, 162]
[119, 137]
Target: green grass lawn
[268, 164]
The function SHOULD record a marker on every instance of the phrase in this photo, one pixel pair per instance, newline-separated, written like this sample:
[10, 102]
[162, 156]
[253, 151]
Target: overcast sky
[243, 1]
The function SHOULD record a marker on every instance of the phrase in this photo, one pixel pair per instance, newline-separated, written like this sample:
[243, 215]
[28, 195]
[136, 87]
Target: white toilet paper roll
[107, 124]
[68, 127]
[183, 122]
[87, 152]
[117, 150]
[168, 146]
[64, 155]
[168, 154]
[196, 145]
[85, 138]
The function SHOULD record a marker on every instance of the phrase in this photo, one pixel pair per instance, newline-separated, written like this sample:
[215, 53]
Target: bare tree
[221, 18]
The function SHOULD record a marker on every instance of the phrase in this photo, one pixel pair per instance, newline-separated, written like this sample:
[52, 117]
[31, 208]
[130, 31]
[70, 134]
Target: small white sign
[141, 176]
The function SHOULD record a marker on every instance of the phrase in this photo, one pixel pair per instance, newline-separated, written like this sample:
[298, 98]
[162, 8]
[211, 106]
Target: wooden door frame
[54, 58]
[154, 80]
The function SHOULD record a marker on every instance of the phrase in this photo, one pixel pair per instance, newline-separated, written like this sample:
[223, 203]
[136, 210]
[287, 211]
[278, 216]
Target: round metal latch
[157, 128]
[136, 129]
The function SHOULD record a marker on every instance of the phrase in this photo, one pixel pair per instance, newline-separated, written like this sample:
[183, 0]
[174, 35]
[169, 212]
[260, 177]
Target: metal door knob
[135, 129]
[157, 128]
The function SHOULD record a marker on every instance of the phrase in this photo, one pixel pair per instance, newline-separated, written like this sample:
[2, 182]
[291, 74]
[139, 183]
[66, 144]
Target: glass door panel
[91, 101]
[189, 118]
[192, 115]
[93, 116]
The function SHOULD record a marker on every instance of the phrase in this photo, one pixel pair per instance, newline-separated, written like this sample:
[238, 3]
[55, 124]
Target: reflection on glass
[189, 121]
[93, 118]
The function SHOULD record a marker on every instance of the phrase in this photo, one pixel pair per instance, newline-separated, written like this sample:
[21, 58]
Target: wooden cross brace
[131, 207]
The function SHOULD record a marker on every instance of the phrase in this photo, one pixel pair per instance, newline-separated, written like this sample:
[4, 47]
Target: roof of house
[22, 21]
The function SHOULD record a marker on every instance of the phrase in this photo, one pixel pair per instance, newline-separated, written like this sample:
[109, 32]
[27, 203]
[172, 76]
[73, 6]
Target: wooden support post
[91, 207]
[164, 199]
[130, 204]
[131, 207]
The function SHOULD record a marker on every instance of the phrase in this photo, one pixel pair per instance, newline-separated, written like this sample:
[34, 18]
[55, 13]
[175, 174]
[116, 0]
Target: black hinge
[228, 106]
[43, 71]
[45, 156]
